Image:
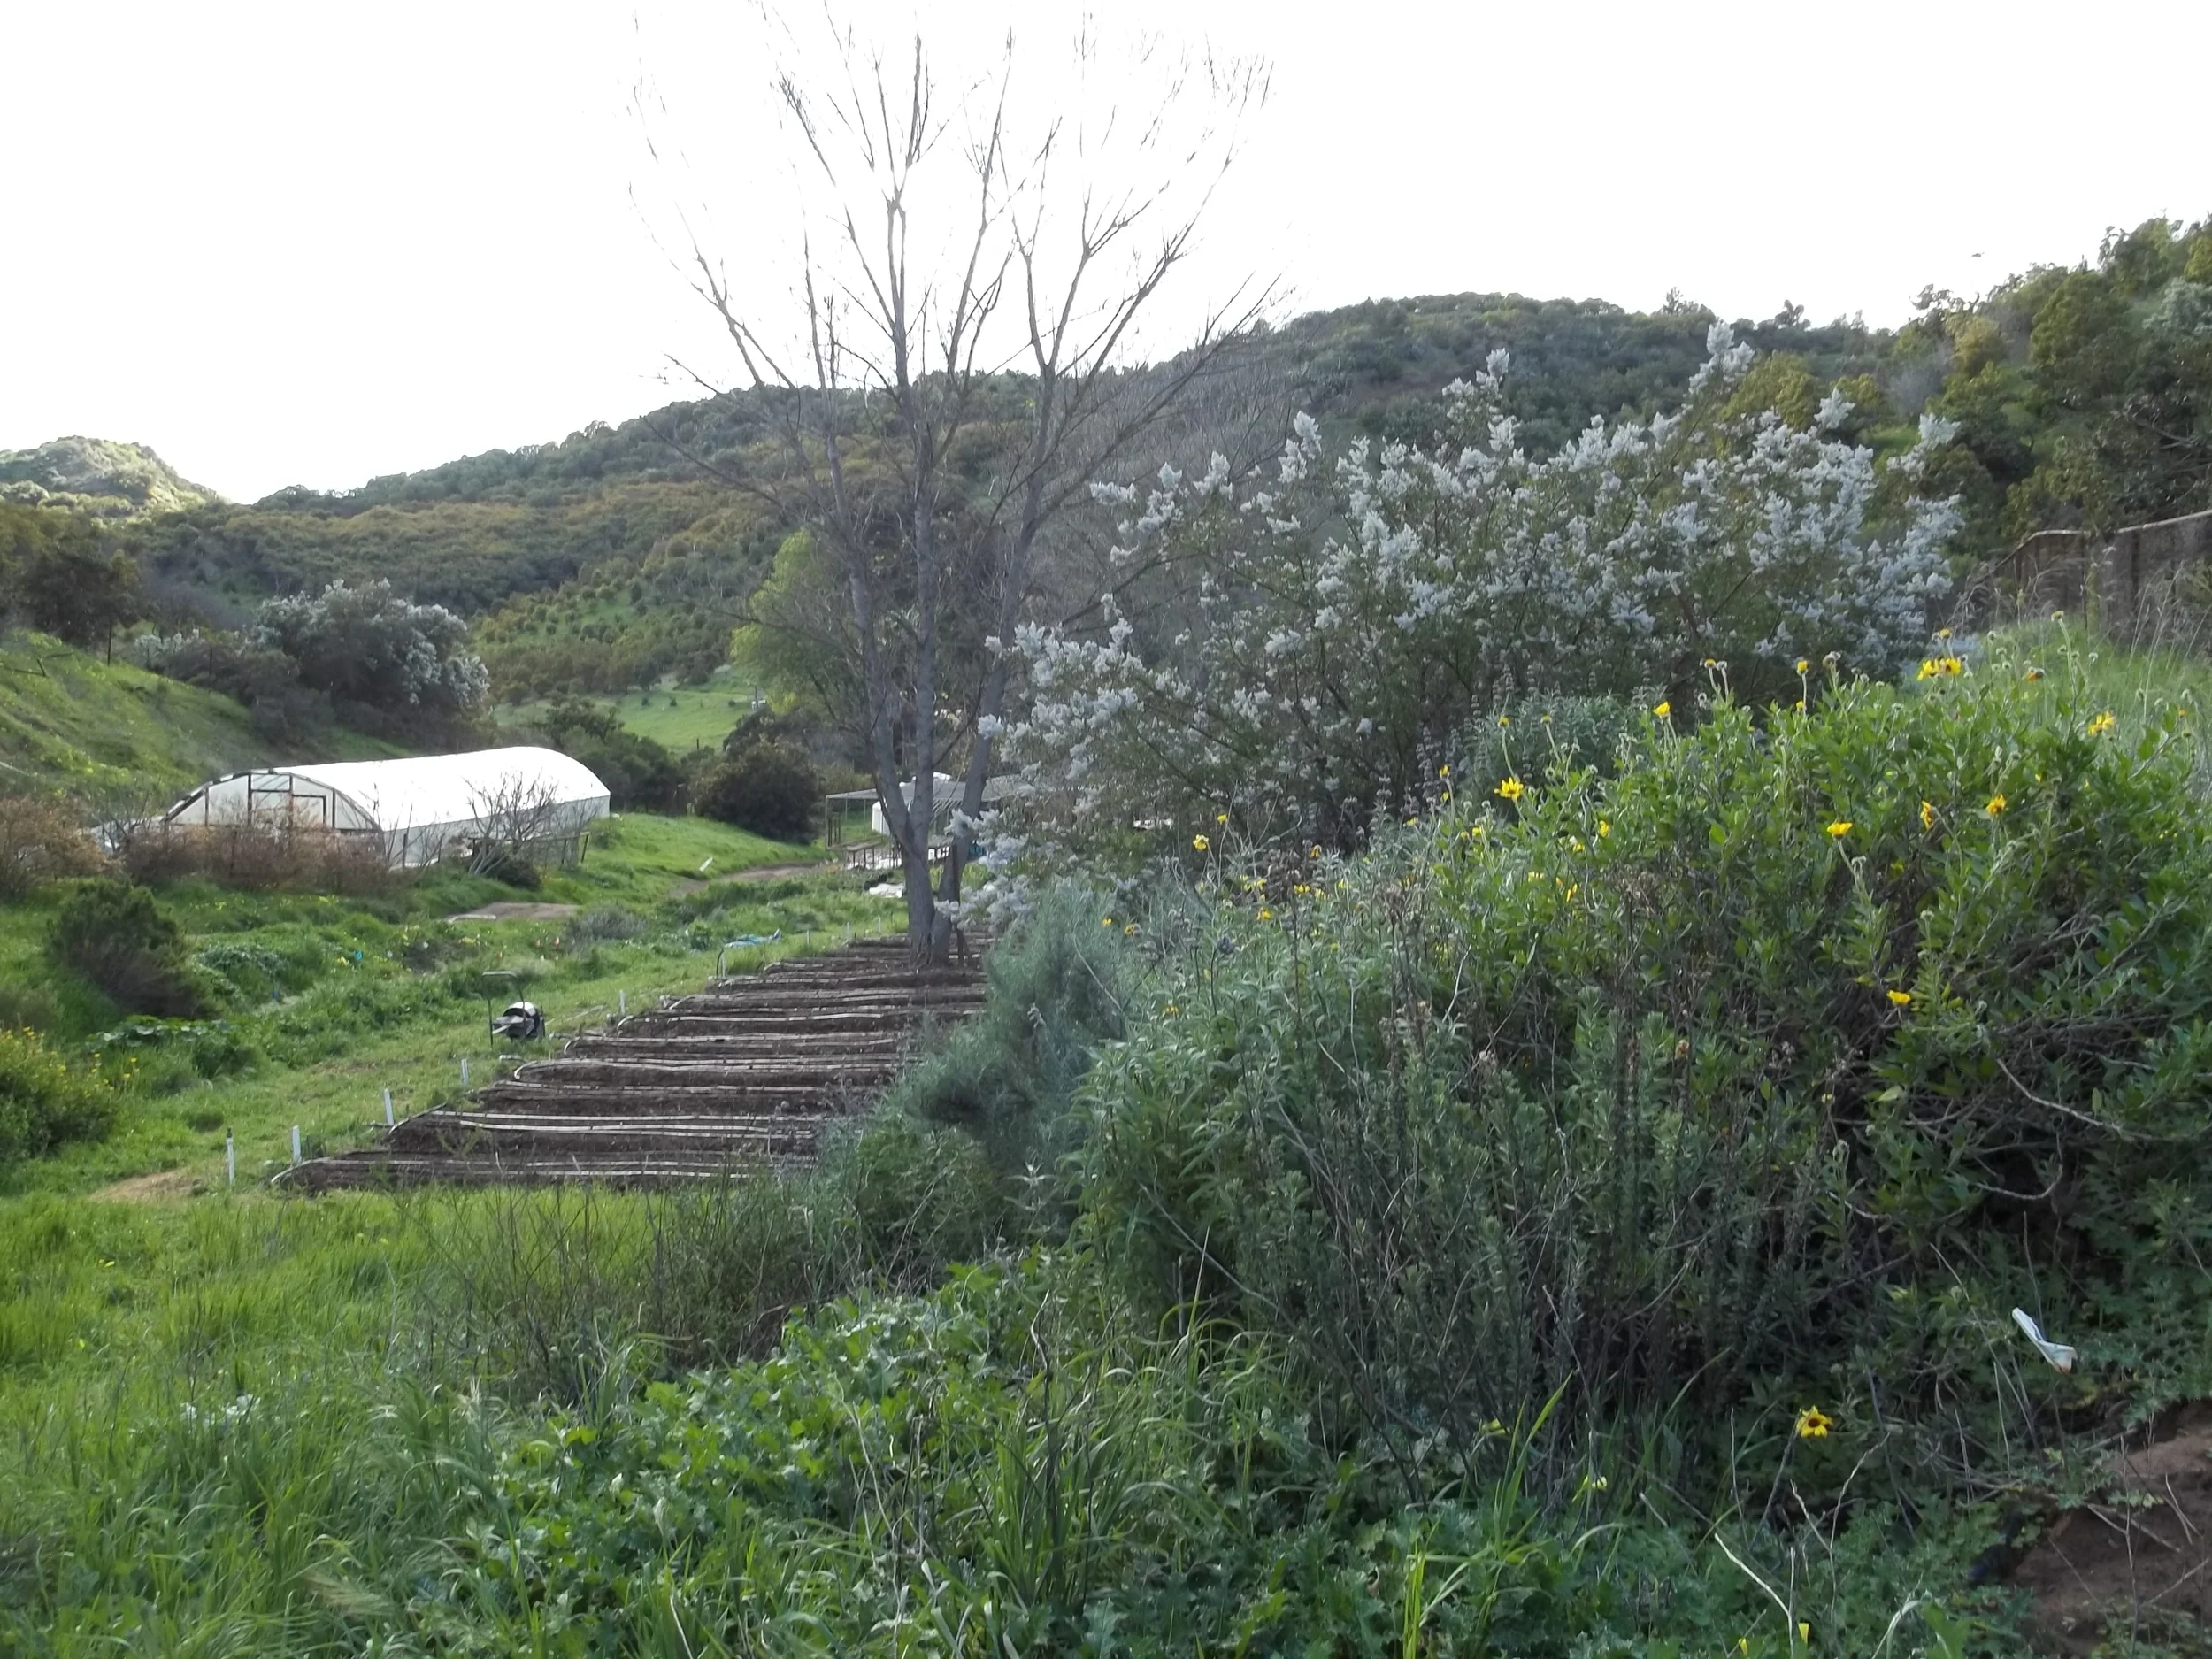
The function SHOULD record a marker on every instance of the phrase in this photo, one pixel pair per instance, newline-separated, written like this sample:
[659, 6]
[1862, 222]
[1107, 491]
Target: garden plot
[749, 1071]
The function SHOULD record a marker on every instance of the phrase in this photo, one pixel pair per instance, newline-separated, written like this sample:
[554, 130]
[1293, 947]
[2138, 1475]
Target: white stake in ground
[295, 1144]
[388, 1108]
[230, 1156]
[464, 1071]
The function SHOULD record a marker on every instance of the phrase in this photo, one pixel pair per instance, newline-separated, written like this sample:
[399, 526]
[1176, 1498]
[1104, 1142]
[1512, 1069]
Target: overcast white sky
[313, 244]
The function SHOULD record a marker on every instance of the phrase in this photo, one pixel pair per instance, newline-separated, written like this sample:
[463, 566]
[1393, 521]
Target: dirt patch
[2142, 1556]
[150, 1189]
[508, 910]
[759, 872]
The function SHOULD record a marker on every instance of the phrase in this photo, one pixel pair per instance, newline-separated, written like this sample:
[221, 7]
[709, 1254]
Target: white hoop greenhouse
[423, 807]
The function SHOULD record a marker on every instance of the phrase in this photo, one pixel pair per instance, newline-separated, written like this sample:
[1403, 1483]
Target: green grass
[343, 998]
[70, 720]
[679, 717]
[2134, 685]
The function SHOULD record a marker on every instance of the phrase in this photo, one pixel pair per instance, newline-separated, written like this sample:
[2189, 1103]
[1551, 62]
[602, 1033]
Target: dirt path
[2139, 1558]
[510, 910]
[149, 1189]
[758, 872]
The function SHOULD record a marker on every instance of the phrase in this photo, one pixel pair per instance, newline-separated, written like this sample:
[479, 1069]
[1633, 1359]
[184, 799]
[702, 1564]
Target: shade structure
[422, 807]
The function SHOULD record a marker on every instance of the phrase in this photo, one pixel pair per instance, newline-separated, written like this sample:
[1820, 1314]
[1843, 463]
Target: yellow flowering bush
[1646, 1084]
[45, 1100]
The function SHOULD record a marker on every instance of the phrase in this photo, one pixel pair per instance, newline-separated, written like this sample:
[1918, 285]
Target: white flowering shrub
[369, 645]
[1304, 647]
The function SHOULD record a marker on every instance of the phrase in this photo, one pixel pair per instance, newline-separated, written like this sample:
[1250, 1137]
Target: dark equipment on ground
[522, 1022]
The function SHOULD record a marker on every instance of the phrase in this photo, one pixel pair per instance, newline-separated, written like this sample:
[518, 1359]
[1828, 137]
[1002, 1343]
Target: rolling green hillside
[99, 477]
[608, 504]
[680, 717]
[69, 720]
[621, 555]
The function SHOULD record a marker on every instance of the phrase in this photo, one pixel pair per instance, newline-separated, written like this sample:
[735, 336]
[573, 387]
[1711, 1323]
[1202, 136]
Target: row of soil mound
[749, 1071]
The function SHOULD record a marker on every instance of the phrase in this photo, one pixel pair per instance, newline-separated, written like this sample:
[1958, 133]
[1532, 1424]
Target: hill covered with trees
[100, 479]
[623, 554]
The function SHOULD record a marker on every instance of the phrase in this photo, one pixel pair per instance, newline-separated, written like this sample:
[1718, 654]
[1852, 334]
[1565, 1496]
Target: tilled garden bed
[749, 1071]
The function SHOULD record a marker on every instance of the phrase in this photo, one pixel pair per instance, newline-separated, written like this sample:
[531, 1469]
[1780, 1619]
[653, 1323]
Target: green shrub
[112, 935]
[1779, 1067]
[770, 789]
[27, 1007]
[508, 865]
[41, 841]
[641, 774]
[1057, 987]
[44, 1101]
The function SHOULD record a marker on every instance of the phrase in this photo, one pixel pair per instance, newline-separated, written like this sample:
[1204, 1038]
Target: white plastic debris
[2057, 1353]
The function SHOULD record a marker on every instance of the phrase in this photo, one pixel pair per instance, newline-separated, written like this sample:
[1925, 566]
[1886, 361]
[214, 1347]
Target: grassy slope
[69, 720]
[681, 716]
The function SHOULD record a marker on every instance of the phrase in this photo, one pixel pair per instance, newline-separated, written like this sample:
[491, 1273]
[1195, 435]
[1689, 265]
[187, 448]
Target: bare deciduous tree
[956, 365]
[518, 821]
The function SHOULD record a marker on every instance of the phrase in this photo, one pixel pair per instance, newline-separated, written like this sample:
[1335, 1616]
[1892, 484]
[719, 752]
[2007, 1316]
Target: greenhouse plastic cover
[429, 789]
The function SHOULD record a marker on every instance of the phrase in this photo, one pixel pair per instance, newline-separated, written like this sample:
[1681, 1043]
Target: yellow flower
[1128, 929]
[1927, 815]
[1840, 828]
[1443, 771]
[1943, 633]
[1605, 827]
[1900, 999]
[1267, 915]
[1503, 722]
[2035, 674]
[1996, 804]
[1105, 921]
[1511, 789]
[1313, 852]
[1201, 844]
[1802, 665]
[1927, 668]
[2102, 724]
[1169, 1012]
[1221, 817]
[1662, 708]
[1813, 1424]
[1804, 1632]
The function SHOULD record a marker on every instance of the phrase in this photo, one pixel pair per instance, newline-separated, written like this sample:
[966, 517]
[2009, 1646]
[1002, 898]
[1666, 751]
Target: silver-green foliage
[1309, 642]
